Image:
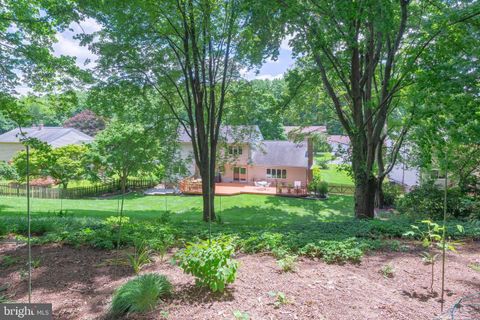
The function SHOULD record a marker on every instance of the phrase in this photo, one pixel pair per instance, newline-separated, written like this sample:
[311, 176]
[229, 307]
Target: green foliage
[317, 185]
[122, 150]
[8, 172]
[427, 201]
[140, 294]
[211, 263]
[287, 263]
[256, 102]
[387, 271]
[332, 251]
[432, 235]
[280, 298]
[8, 261]
[474, 266]
[140, 257]
[391, 192]
[240, 315]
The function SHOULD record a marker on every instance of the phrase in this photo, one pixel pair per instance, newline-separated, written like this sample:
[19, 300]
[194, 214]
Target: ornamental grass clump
[140, 294]
[210, 262]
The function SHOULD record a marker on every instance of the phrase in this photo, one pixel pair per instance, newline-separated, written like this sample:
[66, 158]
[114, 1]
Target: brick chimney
[310, 159]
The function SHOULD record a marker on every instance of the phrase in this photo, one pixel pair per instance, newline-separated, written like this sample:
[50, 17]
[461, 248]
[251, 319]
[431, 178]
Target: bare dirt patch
[79, 282]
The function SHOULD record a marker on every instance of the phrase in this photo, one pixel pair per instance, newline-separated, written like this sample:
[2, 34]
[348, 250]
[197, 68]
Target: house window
[276, 173]
[235, 150]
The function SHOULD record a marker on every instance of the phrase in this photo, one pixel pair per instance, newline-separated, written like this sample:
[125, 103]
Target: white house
[10, 143]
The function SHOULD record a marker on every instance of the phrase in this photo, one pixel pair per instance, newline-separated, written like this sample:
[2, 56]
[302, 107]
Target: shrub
[140, 294]
[391, 192]
[426, 201]
[7, 172]
[211, 263]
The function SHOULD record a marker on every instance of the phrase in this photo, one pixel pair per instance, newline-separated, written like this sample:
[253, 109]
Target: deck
[231, 189]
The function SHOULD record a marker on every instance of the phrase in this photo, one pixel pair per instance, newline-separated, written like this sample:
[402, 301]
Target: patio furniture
[262, 184]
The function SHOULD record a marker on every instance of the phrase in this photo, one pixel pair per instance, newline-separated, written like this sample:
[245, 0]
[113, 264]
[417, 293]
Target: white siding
[9, 150]
[186, 154]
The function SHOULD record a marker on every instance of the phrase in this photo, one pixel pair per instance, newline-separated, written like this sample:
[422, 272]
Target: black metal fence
[15, 190]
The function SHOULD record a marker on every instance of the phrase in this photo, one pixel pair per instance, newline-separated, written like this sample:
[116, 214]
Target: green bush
[140, 294]
[319, 187]
[211, 263]
[8, 172]
[391, 192]
[426, 201]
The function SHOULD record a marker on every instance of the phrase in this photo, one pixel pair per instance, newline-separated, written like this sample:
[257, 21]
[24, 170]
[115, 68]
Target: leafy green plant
[391, 192]
[287, 263]
[8, 261]
[240, 315]
[387, 271]
[474, 266]
[210, 263]
[426, 201]
[432, 236]
[280, 298]
[140, 257]
[36, 263]
[140, 294]
[319, 187]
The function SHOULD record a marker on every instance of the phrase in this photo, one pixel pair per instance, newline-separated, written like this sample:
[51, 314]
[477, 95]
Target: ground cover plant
[319, 229]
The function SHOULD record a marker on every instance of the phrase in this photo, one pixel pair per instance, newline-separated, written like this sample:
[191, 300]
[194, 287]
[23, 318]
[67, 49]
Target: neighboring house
[339, 144]
[56, 137]
[245, 157]
[292, 132]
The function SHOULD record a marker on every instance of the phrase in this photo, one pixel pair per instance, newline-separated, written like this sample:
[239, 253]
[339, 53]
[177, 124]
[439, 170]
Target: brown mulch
[79, 283]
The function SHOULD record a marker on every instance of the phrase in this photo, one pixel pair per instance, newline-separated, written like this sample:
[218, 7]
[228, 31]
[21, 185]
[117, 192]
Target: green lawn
[257, 210]
[332, 175]
[318, 228]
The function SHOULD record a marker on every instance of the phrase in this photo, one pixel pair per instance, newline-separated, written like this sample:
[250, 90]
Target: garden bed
[79, 283]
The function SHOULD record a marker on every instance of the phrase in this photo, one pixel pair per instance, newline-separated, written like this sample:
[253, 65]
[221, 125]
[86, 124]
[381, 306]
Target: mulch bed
[79, 282]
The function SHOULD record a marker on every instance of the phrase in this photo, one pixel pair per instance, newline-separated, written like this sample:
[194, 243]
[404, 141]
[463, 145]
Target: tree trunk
[365, 182]
[208, 192]
[364, 198]
[379, 196]
[207, 173]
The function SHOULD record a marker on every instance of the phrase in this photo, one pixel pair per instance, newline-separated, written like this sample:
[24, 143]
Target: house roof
[280, 153]
[232, 134]
[305, 130]
[54, 136]
[338, 139]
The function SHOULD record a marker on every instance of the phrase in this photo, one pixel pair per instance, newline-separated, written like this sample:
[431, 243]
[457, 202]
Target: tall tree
[187, 52]
[257, 102]
[365, 52]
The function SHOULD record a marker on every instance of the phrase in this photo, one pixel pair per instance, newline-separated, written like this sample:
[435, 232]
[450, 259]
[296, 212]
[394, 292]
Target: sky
[66, 45]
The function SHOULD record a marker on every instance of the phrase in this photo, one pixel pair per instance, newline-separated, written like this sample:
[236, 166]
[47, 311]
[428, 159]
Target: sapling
[433, 236]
